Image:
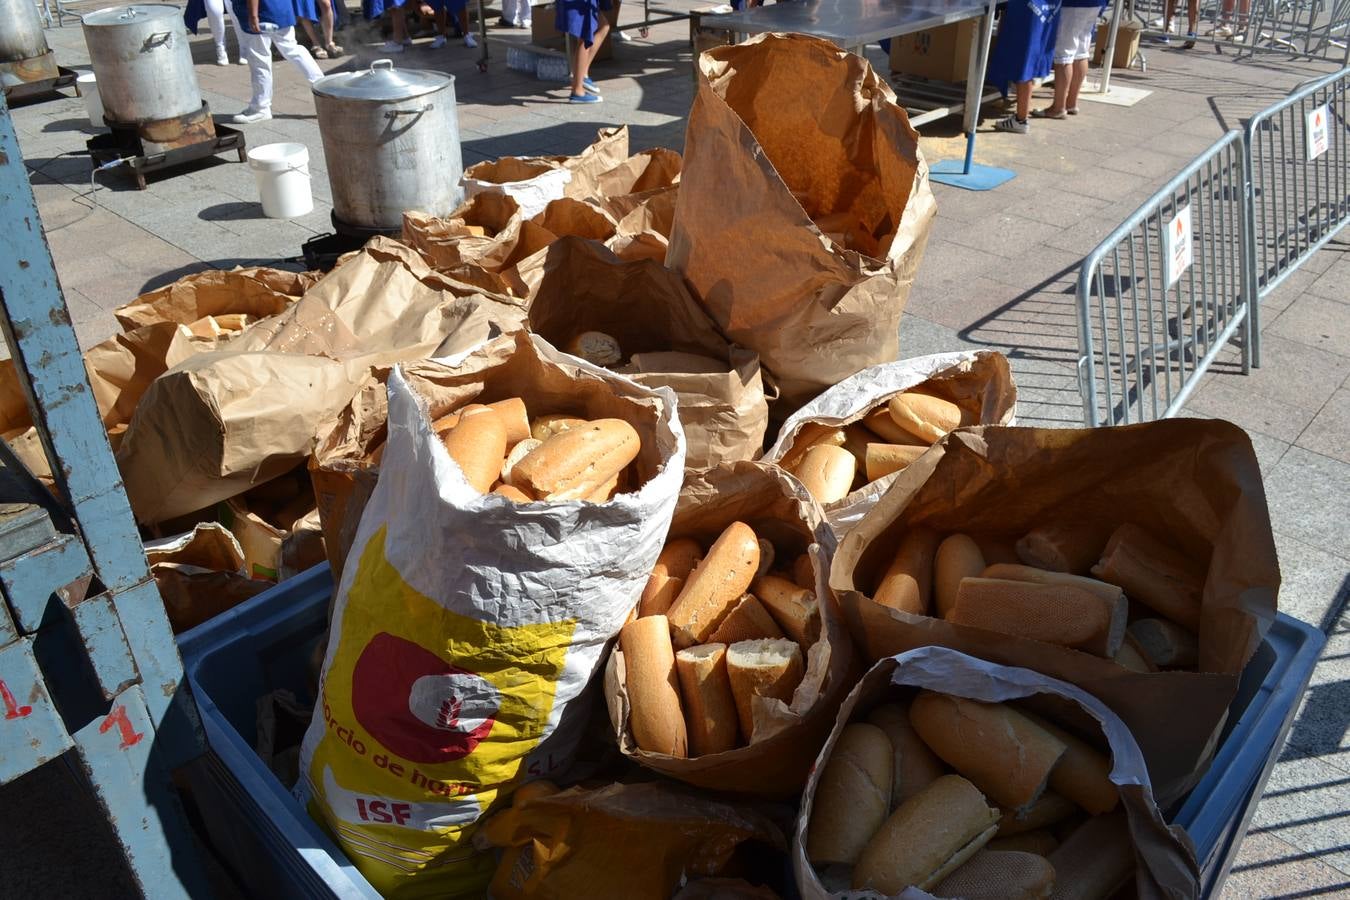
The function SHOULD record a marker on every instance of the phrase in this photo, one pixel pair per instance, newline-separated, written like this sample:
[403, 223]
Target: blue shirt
[280, 13]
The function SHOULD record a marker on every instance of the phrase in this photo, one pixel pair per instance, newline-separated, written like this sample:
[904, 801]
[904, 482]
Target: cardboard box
[1127, 45]
[543, 32]
[940, 54]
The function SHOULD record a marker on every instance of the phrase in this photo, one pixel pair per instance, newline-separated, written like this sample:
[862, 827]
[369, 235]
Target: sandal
[1072, 110]
[319, 53]
[1047, 113]
[334, 51]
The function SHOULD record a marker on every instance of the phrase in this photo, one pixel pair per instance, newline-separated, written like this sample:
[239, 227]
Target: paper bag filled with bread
[728, 673]
[639, 319]
[962, 778]
[848, 444]
[1135, 562]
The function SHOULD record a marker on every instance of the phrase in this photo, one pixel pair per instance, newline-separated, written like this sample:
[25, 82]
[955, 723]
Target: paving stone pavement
[999, 272]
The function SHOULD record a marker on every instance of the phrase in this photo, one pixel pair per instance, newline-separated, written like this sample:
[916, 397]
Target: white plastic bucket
[282, 171]
[93, 103]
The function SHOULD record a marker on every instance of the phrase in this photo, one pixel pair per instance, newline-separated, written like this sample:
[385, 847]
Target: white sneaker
[222, 58]
[392, 47]
[469, 41]
[437, 42]
[622, 37]
[251, 115]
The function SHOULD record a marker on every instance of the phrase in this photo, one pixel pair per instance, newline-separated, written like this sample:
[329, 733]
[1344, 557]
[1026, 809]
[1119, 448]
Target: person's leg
[239, 36]
[1192, 17]
[398, 20]
[613, 15]
[215, 18]
[583, 56]
[311, 34]
[257, 51]
[464, 26]
[326, 25]
[1080, 70]
[442, 28]
[1023, 100]
[1062, 78]
[297, 55]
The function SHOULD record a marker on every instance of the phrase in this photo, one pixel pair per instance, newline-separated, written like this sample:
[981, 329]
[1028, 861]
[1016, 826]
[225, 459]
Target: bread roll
[1131, 655]
[907, 584]
[546, 426]
[709, 708]
[514, 418]
[659, 594]
[768, 668]
[1111, 593]
[595, 347]
[715, 584]
[916, 767]
[926, 417]
[675, 363]
[879, 422]
[853, 796]
[477, 444]
[1083, 773]
[605, 492]
[1161, 578]
[521, 450]
[856, 438]
[512, 493]
[1165, 644]
[1038, 840]
[883, 459]
[475, 231]
[1062, 547]
[1000, 875]
[1094, 861]
[1055, 613]
[655, 716]
[793, 608]
[678, 558]
[808, 436]
[958, 557]
[1048, 809]
[827, 472]
[575, 463]
[803, 573]
[927, 838]
[747, 621]
[1006, 755]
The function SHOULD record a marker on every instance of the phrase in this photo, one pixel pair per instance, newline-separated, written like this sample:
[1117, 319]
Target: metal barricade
[1162, 295]
[1315, 29]
[1298, 169]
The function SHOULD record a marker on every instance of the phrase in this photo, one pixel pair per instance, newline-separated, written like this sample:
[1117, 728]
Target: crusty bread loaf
[856, 438]
[915, 765]
[521, 450]
[853, 796]
[1055, 613]
[1063, 546]
[792, 607]
[1007, 756]
[546, 426]
[1163, 579]
[748, 620]
[1048, 809]
[827, 472]
[883, 459]
[515, 418]
[574, 464]
[927, 838]
[1038, 840]
[715, 585]
[810, 435]
[678, 558]
[996, 874]
[958, 557]
[659, 595]
[655, 716]
[1131, 655]
[803, 573]
[606, 491]
[879, 422]
[1012, 572]
[512, 493]
[1083, 773]
[1094, 861]
[477, 444]
[709, 708]
[1165, 644]
[927, 417]
[595, 347]
[767, 668]
[907, 584]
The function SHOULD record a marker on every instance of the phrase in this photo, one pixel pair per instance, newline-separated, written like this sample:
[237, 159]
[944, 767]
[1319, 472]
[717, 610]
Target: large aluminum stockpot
[390, 142]
[21, 34]
[142, 62]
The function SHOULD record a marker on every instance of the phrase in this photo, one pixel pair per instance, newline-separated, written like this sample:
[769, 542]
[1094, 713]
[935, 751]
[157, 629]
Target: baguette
[521, 450]
[958, 557]
[827, 472]
[1153, 573]
[927, 838]
[915, 765]
[1038, 840]
[856, 438]
[767, 668]
[907, 584]
[658, 595]
[514, 494]
[546, 426]
[880, 423]
[1165, 644]
[715, 585]
[793, 608]
[995, 874]
[1094, 861]
[926, 417]
[1083, 773]
[1111, 593]
[595, 347]
[477, 444]
[810, 435]
[1048, 809]
[709, 709]
[1005, 754]
[678, 558]
[1055, 613]
[605, 492]
[747, 621]
[656, 718]
[510, 411]
[1062, 547]
[883, 459]
[574, 464]
[853, 796]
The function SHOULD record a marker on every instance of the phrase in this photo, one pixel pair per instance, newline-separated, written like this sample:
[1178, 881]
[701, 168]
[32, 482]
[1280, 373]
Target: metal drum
[21, 34]
[142, 62]
[391, 144]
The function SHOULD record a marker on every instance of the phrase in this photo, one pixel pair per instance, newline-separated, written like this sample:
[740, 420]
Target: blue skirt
[1026, 43]
[373, 9]
[580, 18]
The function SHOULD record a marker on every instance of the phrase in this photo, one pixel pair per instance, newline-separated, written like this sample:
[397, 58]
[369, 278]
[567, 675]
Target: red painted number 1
[118, 717]
[12, 709]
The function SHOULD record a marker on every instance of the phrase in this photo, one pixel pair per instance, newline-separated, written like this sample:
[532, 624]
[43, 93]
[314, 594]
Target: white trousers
[517, 11]
[258, 53]
[215, 17]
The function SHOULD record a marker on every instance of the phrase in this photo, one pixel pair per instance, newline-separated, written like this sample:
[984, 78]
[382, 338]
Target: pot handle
[394, 113]
[386, 65]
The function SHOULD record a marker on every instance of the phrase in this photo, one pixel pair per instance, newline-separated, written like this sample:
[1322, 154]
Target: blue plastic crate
[269, 839]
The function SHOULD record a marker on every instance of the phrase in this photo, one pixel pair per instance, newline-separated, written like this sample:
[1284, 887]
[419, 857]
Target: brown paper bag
[1166, 865]
[779, 510]
[200, 575]
[1193, 483]
[650, 170]
[567, 216]
[609, 149]
[535, 181]
[452, 245]
[804, 208]
[259, 292]
[646, 307]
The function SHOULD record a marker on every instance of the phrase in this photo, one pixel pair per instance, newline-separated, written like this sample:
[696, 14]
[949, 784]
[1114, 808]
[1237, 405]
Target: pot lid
[131, 15]
[382, 83]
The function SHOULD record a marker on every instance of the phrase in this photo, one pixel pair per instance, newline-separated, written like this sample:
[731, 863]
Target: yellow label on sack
[428, 714]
